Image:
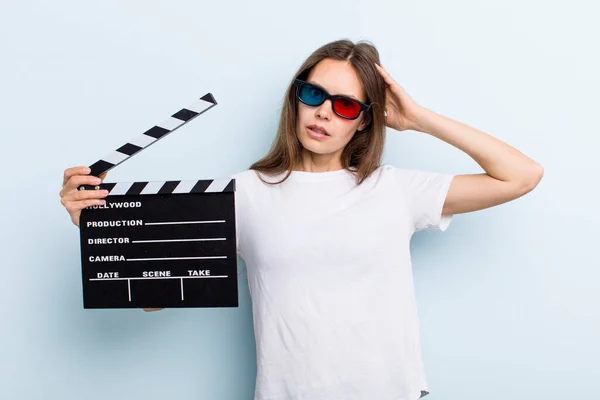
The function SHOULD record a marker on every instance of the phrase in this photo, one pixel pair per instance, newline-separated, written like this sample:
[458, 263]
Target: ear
[363, 124]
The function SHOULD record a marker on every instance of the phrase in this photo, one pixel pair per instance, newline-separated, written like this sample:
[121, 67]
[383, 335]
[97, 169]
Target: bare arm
[509, 174]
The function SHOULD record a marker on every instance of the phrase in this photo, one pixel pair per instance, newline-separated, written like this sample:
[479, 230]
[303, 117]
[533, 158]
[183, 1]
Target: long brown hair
[364, 151]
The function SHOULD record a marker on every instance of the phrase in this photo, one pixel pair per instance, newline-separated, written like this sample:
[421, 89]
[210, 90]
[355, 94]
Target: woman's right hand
[75, 200]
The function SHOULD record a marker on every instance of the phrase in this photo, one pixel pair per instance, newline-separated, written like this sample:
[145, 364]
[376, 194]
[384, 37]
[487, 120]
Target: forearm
[497, 158]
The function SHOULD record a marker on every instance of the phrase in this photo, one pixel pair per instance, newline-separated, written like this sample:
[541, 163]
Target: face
[337, 77]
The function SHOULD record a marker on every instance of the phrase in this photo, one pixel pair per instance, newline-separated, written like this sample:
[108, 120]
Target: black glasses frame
[299, 83]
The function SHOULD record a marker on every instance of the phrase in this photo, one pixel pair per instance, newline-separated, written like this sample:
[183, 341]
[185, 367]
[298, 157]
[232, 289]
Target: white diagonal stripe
[218, 185]
[170, 123]
[142, 140]
[121, 188]
[199, 106]
[184, 187]
[115, 157]
[152, 187]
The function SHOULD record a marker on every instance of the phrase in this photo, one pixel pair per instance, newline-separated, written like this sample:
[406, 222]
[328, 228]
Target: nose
[324, 110]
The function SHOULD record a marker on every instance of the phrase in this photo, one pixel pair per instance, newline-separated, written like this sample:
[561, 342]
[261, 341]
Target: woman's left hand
[402, 110]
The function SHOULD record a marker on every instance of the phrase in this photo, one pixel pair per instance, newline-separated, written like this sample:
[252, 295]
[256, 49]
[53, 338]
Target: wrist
[420, 118]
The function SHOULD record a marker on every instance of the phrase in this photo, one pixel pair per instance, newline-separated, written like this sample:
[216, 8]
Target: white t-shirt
[330, 278]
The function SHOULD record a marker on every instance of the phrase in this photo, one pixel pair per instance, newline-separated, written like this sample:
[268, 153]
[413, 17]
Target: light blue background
[508, 297]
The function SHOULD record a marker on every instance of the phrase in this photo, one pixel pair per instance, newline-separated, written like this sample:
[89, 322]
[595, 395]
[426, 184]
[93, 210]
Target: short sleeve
[425, 193]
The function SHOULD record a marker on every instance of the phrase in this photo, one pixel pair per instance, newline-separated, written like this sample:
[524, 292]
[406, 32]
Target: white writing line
[184, 222]
[174, 240]
[181, 288]
[158, 277]
[175, 258]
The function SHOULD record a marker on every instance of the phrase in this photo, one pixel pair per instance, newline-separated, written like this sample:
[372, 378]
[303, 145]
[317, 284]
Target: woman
[324, 229]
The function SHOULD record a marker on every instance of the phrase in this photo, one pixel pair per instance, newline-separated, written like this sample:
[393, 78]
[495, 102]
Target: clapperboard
[160, 244]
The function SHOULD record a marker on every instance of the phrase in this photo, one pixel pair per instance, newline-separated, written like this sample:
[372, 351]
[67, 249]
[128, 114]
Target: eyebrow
[349, 95]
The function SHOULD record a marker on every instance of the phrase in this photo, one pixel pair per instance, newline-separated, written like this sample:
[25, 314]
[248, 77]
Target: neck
[313, 162]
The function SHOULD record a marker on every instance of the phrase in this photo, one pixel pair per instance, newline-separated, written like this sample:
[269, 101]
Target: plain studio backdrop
[508, 297]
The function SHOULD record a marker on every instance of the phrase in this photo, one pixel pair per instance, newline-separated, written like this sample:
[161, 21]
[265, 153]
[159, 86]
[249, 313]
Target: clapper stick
[149, 137]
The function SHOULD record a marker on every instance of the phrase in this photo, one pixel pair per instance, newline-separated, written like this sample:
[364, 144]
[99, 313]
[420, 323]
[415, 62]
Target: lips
[318, 128]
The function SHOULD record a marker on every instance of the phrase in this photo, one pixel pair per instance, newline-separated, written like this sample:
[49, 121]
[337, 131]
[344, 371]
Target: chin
[313, 146]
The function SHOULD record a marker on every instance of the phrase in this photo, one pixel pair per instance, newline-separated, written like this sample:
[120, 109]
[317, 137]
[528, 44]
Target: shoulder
[247, 177]
[405, 175]
[386, 168]
[242, 179]
[391, 169]
[251, 176]
[242, 175]
[385, 172]
[249, 180]
[411, 181]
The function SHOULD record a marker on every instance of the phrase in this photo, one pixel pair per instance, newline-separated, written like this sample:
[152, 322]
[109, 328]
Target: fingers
[87, 194]
[76, 180]
[80, 170]
[386, 77]
[79, 195]
[74, 199]
[394, 86]
[73, 207]
[77, 199]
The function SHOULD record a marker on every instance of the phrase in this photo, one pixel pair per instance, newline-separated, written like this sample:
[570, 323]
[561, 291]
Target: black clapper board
[160, 244]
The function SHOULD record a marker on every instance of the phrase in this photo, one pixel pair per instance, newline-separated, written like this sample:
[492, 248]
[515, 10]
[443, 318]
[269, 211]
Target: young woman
[325, 229]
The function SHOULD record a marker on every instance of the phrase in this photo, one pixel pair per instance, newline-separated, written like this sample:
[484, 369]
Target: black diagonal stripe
[201, 186]
[184, 114]
[230, 186]
[99, 167]
[107, 186]
[208, 97]
[136, 188]
[168, 187]
[129, 149]
[156, 132]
